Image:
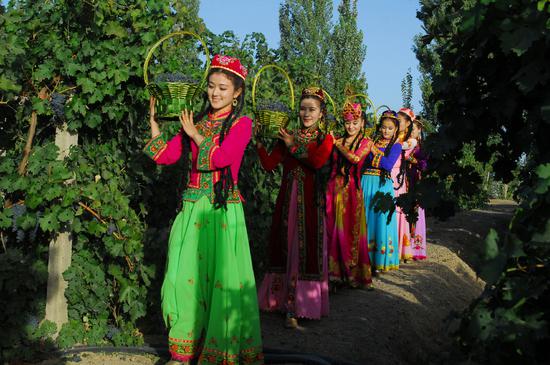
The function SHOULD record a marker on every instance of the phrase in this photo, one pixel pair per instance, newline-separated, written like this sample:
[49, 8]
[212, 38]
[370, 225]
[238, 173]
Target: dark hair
[378, 136]
[225, 184]
[342, 162]
[404, 167]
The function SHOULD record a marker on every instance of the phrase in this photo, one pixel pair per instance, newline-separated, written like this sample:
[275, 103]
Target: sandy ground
[407, 319]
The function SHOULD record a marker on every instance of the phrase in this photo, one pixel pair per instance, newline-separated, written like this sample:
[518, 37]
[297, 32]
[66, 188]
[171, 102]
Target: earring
[235, 102]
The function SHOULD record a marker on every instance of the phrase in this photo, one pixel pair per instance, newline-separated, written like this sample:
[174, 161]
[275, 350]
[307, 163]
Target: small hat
[408, 113]
[230, 64]
[314, 91]
[351, 111]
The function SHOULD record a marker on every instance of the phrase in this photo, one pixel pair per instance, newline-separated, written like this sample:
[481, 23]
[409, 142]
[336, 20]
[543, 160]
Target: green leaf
[114, 28]
[66, 215]
[49, 222]
[87, 85]
[519, 40]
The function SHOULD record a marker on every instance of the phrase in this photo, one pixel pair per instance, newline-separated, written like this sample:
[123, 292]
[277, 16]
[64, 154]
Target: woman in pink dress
[399, 177]
[348, 253]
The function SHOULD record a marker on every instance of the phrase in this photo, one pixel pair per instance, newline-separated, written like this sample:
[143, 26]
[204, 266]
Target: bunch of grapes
[275, 106]
[57, 103]
[18, 210]
[111, 332]
[174, 77]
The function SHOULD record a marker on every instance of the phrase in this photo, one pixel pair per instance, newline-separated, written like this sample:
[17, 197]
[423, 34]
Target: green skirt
[209, 299]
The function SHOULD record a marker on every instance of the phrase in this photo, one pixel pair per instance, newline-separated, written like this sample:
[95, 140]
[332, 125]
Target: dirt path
[405, 320]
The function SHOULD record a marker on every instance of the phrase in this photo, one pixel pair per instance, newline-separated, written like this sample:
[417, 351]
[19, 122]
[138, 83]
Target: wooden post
[60, 251]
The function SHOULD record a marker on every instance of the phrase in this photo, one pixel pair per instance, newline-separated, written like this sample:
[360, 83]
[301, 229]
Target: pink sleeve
[212, 156]
[162, 152]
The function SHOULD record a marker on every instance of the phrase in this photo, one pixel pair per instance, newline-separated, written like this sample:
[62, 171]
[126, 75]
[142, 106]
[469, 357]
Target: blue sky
[388, 29]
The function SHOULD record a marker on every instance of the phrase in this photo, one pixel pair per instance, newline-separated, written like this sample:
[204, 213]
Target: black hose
[272, 356]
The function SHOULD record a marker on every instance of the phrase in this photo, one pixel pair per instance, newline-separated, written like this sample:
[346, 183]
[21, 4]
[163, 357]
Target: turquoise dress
[382, 236]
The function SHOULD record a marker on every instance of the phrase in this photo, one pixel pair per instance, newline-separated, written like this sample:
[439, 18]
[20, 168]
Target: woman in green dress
[209, 300]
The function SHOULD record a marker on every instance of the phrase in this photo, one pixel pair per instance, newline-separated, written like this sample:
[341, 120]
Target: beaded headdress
[314, 91]
[389, 114]
[230, 64]
[351, 111]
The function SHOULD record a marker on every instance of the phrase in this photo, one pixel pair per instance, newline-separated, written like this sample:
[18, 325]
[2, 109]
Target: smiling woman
[209, 300]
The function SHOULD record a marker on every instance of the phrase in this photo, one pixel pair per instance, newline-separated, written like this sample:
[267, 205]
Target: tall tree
[406, 89]
[488, 66]
[305, 27]
[347, 53]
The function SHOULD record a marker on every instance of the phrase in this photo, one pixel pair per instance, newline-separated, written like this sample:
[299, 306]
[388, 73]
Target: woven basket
[270, 121]
[173, 97]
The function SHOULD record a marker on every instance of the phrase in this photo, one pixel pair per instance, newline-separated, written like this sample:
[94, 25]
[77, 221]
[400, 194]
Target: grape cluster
[275, 106]
[111, 332]
[33, 321]
[57, 103]
[111, 229]
[331, 118]
[18, 210]
[174, 77]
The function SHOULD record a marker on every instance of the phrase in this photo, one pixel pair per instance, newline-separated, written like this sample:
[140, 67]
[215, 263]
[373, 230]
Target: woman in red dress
[297, 279]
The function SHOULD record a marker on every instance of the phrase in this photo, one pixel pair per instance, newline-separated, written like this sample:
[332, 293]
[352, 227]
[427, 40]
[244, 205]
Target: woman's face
[353, 126]
[310, 111]
[388, 129]
[415, 132]
[221, 91]
[404, 121]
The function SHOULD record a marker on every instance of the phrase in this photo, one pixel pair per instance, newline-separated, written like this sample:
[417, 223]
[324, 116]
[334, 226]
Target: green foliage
[92, 52]
[347, 53]
[406, 89]
[486, 62]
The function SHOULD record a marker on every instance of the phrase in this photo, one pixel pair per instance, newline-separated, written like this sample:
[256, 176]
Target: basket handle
[182, 33]
[380, 107]
[368, 100]
[285, 74]
[334, 111]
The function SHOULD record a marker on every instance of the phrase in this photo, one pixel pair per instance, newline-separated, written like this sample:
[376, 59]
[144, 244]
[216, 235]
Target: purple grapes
[57, 103]
[275, 106]
[174, 77]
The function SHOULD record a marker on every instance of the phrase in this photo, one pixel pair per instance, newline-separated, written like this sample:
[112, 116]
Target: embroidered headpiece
[408, 113]
[314, 91]
[389, 114]
[351, 111]
[230, 64]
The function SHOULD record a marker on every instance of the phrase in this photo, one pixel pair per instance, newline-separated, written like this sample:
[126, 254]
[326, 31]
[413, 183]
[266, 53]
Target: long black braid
[378, 136]
[225, 184]
[404, 167]
[342, 162]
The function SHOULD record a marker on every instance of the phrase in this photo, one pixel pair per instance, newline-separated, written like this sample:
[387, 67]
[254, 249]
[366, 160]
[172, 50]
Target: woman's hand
[186, 120]
[287, 138]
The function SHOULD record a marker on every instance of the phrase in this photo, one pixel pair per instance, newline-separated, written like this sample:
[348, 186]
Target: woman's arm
[318, 154]
[162, 152]
[356, 156]
[268, 160]
[381, 161]
[212, 156]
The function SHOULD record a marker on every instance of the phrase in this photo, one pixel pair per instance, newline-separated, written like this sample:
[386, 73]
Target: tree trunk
[60, 250]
